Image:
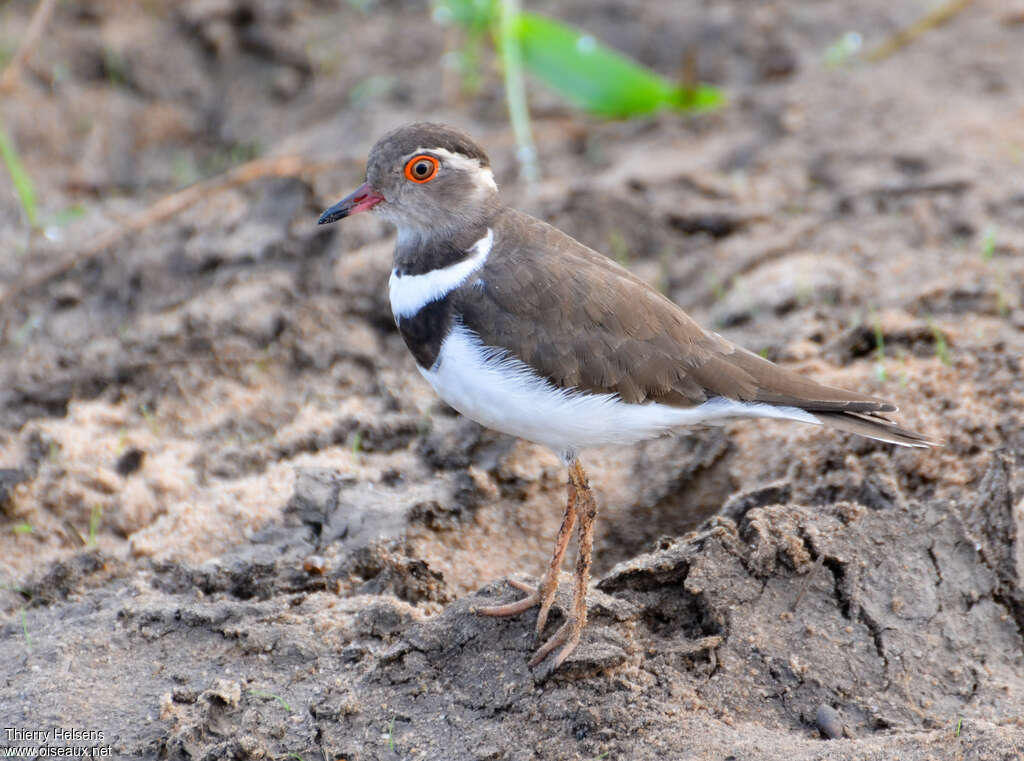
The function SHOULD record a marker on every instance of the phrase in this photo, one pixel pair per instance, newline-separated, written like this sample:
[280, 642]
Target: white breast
[507, 395]
[410, 293]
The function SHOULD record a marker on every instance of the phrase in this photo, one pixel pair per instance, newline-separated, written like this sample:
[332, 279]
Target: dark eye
[421, 168]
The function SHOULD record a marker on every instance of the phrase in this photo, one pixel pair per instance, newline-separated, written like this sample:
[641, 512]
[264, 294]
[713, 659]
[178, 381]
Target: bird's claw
[568, 635]
[514, 608]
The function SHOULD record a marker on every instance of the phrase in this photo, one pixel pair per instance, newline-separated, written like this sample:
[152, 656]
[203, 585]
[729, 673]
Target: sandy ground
[235, 523]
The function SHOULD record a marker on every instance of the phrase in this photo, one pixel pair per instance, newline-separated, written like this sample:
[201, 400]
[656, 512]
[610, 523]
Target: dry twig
[929, 21]
[169, 206]
[35, 29]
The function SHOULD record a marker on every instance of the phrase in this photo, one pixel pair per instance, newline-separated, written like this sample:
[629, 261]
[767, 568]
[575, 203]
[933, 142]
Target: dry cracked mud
[235, 523]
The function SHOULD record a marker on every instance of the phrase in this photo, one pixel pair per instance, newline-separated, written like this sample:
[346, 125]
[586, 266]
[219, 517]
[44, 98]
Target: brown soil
[235, 523]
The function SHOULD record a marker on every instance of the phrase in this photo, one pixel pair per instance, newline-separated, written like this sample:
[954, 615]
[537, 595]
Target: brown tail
[837, 407]
[875, 427]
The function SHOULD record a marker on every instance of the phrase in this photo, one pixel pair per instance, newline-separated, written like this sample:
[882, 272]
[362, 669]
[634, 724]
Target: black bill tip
[361, 199]
[333, 214]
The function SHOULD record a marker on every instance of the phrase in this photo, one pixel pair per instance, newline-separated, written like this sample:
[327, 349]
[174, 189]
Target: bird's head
[428, 179]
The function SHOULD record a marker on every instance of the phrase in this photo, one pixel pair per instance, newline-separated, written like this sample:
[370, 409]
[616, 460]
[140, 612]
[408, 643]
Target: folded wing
[582, 321]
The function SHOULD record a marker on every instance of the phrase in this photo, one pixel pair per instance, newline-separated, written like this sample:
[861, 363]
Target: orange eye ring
[422, 168]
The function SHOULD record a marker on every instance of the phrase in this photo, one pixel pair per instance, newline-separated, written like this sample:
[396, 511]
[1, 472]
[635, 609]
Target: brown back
[581, 320]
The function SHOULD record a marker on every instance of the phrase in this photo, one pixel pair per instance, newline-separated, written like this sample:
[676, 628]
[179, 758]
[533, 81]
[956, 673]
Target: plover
[527, 331]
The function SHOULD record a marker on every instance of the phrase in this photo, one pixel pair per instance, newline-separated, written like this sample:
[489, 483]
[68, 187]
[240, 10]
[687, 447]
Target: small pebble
[829, 722]
[314, 565]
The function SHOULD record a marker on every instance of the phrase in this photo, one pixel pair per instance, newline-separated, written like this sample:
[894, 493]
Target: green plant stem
[22, 182]
[24, 630]
[515, 92]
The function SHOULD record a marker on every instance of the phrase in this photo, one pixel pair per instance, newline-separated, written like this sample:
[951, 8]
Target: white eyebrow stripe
[481, 174]
[410, 293]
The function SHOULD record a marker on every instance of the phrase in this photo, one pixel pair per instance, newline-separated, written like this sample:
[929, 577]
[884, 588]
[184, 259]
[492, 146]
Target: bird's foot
[567, 637]
[514, 608]
[543, 595]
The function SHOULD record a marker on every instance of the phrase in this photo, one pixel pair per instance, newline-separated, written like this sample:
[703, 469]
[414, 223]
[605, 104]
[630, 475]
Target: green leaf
[584, 70]
[67, 216]
[598, 79]
[988, 243]
[22, 182]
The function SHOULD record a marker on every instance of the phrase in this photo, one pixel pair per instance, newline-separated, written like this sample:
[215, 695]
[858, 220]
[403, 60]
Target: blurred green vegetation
[22, 182]
[585, 71]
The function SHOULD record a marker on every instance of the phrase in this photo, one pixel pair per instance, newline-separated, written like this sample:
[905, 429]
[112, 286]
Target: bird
[527, 331]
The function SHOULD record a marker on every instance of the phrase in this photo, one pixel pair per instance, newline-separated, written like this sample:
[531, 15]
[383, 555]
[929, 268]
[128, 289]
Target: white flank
[410, 293]
[505, 394]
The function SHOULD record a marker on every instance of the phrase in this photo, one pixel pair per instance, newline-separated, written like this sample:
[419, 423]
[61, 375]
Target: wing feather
[581, 320]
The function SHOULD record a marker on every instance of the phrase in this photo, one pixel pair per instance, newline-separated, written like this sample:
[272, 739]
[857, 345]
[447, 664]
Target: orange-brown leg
[568, 636]
[544, 594]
